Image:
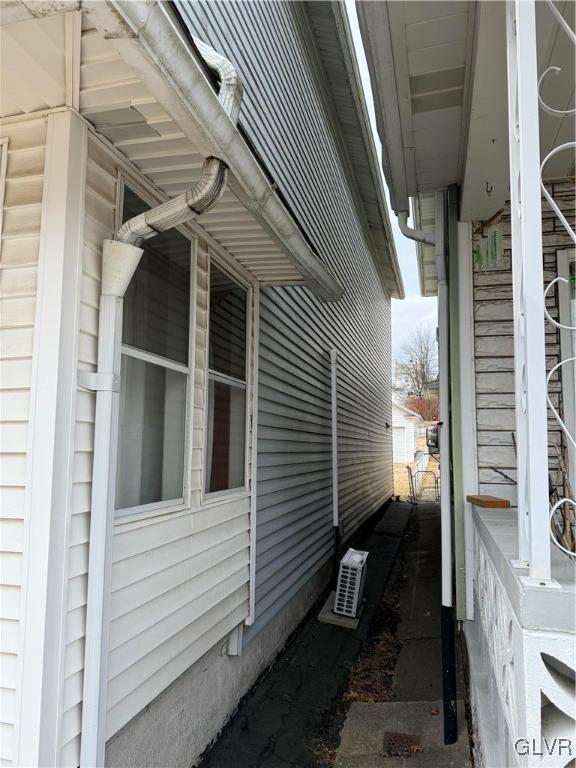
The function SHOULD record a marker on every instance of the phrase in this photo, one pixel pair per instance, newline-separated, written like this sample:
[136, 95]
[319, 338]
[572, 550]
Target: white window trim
[243, 491]
[124, 515]
[150, 357]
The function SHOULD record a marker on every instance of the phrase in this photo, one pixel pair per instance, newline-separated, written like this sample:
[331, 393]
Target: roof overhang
[438, 74]
[328, 21]
[419, 55]
[150, 39]
[143, 88]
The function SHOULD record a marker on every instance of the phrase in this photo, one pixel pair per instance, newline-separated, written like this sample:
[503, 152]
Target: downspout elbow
[210, 187]
[414, 234]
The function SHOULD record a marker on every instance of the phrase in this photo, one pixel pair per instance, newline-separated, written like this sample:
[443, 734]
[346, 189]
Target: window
[226, 412]
[155, 359]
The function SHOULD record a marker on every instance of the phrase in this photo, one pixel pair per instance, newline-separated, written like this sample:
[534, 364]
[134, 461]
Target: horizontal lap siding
[294, 501]
[100, 205]
[18, 272]
[494, 351]
[179, 585]
[179, 581]
[287, 115]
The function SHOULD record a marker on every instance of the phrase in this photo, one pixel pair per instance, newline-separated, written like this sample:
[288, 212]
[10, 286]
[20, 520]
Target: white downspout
[119, 262]
[444, 393]
[120, 258]
[448, 654]
[334, 388]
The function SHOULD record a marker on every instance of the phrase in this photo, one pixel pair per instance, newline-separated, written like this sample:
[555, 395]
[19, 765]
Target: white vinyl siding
[179, 579]
[297, 131]
[100, 206]
[406, 429]
[22, 205]
[494, 351]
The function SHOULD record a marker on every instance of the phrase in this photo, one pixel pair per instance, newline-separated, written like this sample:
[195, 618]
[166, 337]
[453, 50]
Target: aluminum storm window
[155, 371]
[226, 411]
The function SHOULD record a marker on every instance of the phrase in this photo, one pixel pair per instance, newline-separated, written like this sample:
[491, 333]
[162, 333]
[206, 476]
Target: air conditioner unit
[351, 578]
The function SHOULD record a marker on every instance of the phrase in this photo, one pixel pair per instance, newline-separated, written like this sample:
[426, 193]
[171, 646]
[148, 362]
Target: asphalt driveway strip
[294, 713]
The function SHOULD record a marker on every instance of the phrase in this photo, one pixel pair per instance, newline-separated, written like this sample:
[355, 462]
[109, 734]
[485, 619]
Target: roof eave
[148, 35]
[379, 238]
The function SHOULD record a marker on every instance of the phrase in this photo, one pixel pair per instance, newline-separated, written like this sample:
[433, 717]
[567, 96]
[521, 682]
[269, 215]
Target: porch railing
[563, 510]
[526, 183]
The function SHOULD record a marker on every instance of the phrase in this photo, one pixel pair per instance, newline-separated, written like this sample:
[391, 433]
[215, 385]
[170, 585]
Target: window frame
[229, 494]
[182, 503]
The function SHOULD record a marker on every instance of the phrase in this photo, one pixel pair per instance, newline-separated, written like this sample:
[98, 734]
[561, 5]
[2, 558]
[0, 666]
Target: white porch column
[527, 275]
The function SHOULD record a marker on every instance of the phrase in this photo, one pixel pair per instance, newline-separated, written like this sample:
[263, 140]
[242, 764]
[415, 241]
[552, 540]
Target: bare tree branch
[418, 364]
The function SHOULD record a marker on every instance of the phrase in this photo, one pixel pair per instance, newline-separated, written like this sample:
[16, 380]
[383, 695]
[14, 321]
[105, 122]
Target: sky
[415, 309]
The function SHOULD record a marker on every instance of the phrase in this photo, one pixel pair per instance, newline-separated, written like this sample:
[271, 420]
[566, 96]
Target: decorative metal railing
[563, 510]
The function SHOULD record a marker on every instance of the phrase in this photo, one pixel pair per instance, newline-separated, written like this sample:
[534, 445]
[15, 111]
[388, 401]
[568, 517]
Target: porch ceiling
[438, 75]
[419, 56]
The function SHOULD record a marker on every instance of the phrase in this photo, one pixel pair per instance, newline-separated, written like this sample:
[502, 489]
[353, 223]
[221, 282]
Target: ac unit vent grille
[350, 583]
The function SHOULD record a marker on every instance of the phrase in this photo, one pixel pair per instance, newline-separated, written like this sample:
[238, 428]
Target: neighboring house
[456, 88]
[195, 396]
[406, 428]
[409, 449]
[432, 389]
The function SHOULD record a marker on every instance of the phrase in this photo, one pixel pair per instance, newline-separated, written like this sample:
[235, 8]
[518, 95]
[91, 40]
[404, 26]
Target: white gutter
[150, 40]
[120, 258]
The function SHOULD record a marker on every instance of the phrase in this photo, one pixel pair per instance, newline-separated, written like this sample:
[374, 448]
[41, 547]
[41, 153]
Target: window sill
[221, 497]
[147, 511]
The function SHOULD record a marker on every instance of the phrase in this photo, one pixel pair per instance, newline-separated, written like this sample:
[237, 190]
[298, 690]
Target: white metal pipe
[334, 388]
[467, 397]
[444, 385]
[101, 534]
[413, 234]
[254, 457]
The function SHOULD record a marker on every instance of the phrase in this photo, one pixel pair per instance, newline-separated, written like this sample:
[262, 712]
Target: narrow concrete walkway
[298, 701]
[417, 707]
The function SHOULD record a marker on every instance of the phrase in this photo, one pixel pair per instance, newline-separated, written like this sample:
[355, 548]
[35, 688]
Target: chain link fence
[424, 483]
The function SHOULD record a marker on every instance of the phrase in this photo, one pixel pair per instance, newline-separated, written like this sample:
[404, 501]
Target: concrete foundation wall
[175, 728]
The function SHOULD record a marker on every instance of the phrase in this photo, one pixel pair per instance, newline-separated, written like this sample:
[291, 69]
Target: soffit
[120, 107]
